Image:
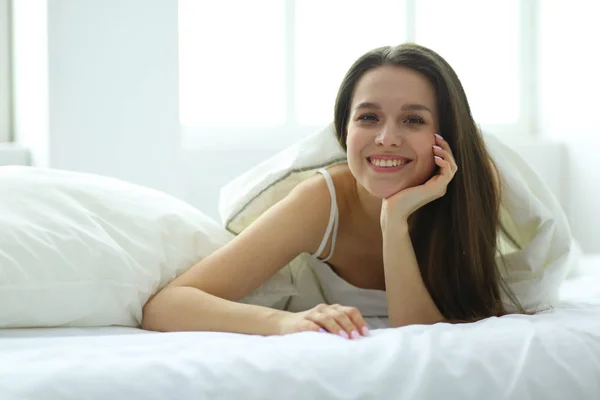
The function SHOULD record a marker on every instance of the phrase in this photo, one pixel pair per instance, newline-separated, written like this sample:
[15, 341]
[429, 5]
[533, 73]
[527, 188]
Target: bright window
[329, 36]
[231, 66]
[484, 52]
[272, 67]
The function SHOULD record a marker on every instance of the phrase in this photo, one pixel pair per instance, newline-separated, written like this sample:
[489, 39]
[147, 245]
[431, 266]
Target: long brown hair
[455, 236]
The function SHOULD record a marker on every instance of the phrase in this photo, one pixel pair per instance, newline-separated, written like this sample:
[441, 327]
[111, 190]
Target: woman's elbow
[154, 310]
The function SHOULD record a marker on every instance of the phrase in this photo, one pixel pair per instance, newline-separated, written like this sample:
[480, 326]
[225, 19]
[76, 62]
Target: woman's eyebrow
[415, 107]
[406, 107]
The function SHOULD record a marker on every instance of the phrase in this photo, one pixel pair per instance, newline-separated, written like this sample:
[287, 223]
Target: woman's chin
[385, 190]
[384, 193]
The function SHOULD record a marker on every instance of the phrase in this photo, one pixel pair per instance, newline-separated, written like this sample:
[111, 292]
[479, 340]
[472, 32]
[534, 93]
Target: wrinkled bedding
[552, 355]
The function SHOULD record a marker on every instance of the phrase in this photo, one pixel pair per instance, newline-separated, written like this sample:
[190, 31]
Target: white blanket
[553, 355]
[535, 238]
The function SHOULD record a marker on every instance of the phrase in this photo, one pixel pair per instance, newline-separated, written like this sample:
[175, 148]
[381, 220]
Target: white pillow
[84, 250]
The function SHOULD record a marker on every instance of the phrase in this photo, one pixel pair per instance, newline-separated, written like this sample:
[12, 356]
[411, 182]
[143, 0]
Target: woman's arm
[204, 297]
[187, 308]
[408, 300]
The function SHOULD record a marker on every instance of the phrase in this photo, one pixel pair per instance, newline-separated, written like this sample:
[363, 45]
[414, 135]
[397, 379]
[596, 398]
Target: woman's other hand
[346, 322]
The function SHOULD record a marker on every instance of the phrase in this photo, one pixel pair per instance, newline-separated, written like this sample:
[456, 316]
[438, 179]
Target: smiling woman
[406, 225]
[399, 99]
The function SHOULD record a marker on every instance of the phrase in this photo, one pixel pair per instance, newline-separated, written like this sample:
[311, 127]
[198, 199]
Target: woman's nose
[389, 135]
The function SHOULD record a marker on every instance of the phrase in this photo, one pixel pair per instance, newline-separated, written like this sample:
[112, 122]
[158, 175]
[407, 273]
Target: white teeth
[386, 163]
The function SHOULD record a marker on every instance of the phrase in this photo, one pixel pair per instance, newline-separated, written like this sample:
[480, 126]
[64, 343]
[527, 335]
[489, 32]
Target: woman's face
[393, 118]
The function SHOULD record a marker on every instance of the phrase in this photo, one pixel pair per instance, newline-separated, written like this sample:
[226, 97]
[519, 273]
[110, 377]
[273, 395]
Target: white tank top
[334, 289]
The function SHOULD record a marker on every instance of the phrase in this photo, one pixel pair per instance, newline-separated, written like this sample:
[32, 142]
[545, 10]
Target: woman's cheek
[428, 170]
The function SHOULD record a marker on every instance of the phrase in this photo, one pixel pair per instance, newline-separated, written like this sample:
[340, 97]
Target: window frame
[277, 137]
[5, 71]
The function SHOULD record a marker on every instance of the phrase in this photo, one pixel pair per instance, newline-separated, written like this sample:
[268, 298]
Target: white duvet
[553, 355]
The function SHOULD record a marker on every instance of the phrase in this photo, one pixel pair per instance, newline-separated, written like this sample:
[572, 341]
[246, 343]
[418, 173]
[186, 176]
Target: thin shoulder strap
[333, 218]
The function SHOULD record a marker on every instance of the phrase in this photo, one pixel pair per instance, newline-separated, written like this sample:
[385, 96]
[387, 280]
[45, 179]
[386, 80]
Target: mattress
[551, 355]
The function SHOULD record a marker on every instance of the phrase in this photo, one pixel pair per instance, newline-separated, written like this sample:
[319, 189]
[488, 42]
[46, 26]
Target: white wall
[570, 107]
[96, 88]
[210, 170]
[14, 154]
[103, 99]
[5, 80]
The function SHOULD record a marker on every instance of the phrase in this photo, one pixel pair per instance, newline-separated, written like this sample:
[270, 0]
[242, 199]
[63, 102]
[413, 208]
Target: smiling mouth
[388, 163]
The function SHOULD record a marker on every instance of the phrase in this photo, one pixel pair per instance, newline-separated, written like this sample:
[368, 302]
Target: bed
[552, 355]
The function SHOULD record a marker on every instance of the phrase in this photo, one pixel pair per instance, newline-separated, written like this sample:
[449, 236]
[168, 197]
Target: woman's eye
[415, 119]
[368, 117]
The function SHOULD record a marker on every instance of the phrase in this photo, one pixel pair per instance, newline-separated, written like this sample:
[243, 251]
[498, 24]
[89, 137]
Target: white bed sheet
[553, 355]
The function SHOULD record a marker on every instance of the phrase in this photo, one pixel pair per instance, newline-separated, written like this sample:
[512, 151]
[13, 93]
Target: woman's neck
[369, 205]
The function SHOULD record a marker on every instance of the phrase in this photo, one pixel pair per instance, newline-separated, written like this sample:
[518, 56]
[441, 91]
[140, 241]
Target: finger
[324, 320]
[309, 326]
[444, 167]
[357, 319]
[440, 141]
[336, 312]
[310, 318]
[446, 155]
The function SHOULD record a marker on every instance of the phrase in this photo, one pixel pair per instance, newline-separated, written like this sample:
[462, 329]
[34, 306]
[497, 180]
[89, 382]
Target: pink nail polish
[354, 335]
[365, 331]
[344, 335]
[437, 147]
[439, 136]
[322, 330]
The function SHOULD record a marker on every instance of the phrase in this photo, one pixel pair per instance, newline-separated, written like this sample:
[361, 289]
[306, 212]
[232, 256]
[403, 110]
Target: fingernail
[438, 157]
[439, 136]
[365, 331]
[322, 330]
[354, 334]
[344, 335]
[437, 147]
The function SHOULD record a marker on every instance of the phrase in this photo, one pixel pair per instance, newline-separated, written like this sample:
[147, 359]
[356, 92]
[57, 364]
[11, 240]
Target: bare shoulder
[312, 197]
[345, 186]
[309, 204]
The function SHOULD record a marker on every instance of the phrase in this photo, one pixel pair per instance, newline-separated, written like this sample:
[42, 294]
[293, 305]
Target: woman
[417, 205]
